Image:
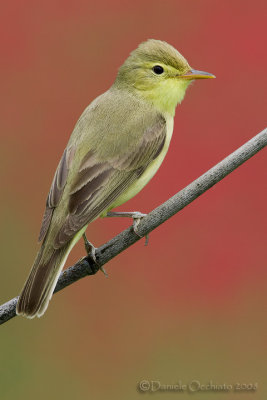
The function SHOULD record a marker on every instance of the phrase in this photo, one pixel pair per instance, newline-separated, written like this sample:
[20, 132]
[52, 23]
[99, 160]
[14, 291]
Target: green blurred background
[191, 305]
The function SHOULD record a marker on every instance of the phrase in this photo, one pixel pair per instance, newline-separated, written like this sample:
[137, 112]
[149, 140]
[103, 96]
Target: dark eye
[158, 69]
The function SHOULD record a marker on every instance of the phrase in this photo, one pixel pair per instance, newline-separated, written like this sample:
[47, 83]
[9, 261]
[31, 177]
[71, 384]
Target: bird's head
[159, 73]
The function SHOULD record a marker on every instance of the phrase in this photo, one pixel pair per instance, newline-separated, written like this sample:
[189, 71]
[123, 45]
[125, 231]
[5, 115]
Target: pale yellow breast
[149, 172]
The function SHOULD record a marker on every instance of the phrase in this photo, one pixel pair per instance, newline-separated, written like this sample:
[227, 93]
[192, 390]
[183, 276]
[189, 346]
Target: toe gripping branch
[92, 267]
[91, 257]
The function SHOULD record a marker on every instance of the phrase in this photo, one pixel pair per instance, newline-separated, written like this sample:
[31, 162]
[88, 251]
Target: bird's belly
[148, 173]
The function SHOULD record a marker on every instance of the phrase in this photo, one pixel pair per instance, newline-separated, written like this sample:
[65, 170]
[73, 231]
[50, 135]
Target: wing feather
[56, 189]
[98, 184]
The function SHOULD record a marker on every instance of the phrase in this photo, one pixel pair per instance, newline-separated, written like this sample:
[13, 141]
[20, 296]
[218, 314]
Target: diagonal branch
[159, 215]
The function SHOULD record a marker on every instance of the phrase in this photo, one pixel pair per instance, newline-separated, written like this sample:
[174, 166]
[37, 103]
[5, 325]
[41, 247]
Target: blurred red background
[191, 305]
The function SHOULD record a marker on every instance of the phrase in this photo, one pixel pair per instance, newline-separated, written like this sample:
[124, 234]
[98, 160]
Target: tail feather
[41, 282]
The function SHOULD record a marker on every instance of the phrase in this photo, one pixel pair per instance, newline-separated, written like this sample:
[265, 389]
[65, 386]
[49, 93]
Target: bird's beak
[194, 74]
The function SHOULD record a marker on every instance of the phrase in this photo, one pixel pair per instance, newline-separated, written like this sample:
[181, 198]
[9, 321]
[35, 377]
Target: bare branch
[159, 215]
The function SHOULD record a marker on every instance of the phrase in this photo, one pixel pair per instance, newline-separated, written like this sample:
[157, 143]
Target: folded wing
[98, 184]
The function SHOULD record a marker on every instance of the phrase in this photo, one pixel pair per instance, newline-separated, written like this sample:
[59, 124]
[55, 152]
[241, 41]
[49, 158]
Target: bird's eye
[158, 69]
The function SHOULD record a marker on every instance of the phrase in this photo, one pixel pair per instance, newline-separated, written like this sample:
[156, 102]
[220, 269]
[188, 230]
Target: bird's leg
[91, 249]
[135, 215]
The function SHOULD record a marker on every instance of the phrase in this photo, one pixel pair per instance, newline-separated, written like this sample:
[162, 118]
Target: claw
[136, 221]
[91, 251]
[92, 268]
[102, 269]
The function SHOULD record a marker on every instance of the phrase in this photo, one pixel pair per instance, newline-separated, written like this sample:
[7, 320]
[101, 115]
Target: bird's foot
[91, 251]
[92, 267]
[135, 215]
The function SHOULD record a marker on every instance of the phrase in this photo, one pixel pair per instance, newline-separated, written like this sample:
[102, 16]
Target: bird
[116, 147]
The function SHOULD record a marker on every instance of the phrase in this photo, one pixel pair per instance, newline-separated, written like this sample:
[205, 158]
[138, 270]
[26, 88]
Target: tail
[41, 282]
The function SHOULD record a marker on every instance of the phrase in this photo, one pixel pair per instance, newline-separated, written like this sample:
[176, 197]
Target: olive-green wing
[98, 184]
[56, 189]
